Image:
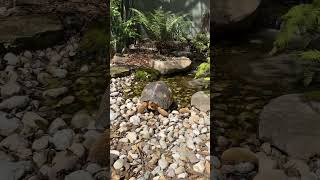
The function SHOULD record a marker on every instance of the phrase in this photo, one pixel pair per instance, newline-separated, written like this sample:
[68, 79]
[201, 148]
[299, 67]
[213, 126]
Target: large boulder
[292, 124]
[230, 14]
[171, 66]
[30, 31]
[283, 71]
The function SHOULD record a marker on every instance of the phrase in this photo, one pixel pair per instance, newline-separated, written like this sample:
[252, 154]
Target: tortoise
[156, 96]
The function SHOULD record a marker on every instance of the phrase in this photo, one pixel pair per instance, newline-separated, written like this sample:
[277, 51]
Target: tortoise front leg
[163, 112]
[142, 107]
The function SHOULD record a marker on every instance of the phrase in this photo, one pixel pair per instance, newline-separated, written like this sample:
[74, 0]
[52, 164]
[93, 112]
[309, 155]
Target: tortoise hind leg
[163, 112]
[142, 107]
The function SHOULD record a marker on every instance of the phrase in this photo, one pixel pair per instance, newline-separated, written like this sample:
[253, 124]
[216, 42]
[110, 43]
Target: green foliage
[144, 74]
[121, 29]
[94, 40]
[313, 55]
[164, 25]
[204, 69]
[201, 42]
[303, 20]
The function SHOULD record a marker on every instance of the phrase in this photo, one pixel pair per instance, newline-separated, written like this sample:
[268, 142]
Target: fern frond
[313, 55]
[302, 20]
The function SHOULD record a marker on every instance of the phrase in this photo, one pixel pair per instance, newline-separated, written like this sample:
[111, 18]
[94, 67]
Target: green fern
[303, 20]
[164, 25]
[313, 55]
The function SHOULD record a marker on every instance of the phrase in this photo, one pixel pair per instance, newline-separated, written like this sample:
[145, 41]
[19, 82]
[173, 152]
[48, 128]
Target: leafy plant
[121, 29]
[145, 74]
[204, 69]
[309, 73]
[201, 42]
[313, 55]
[302, 20]
[164, 25]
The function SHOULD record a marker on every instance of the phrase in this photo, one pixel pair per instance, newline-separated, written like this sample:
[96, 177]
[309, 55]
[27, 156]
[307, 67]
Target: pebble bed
[38, 141]
[150, 146]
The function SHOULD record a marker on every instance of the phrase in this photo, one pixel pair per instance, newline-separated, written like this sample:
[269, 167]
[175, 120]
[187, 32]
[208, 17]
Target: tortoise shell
[159, 93]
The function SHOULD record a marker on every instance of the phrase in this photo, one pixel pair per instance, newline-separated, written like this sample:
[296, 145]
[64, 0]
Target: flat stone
[171, 66]
[56, 125]
[29, 31]
[10, 89]
[119, 71]
[201, 101]
[14, 102]
[8, 125]
[289, 123]
[41, 143]
[54, 93]
[34, 121]
[237, 155]
[62, 139]
[81, 119]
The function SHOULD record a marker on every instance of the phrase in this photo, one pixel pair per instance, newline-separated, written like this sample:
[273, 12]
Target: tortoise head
[152, 105]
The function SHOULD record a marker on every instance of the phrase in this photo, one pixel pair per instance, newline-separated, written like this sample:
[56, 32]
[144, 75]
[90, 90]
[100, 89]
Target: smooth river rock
[171, 66]
[291, 124]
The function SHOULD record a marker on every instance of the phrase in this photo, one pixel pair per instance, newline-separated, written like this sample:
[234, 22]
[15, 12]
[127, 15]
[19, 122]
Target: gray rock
[201, 101]
[57, 72]
[54, 93]
[66, 101]
[79, 175]
[11, 59]
[171, 66]
[62, 139]
[14, 142]
[14, 170]
[77, 149]
[27, 54]
[289, 122]
[199, 167]
[41, 143]
[8, 125]
[245, 167]
[41, 31]
[43, 78]
[6, 157]
[62, 161]
[10, 89]
[81, 119]
[90, 137]
[118, 164]
[14, 102]
[33, 121]
[93, 168]
[119, 71]
[232, 13]
[56, 125]
[40, 158]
